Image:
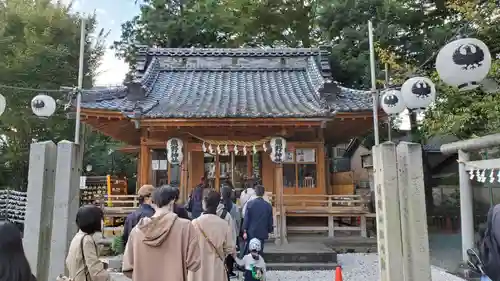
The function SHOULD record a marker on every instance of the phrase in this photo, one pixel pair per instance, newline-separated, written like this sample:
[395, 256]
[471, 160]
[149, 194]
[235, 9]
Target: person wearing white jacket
[246, 195]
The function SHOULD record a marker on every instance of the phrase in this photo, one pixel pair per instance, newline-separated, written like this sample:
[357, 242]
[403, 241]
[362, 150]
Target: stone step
[300, 266]
[300, 257]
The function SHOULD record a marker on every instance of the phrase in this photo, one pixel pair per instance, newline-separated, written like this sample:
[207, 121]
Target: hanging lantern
[392, 102]
[3, 104]
[235, 149]
[174, 151]
[264, 147]
[43, 106]
[244, 150]
[464, 63]
[204, 147]
[418, 92]
[278, 146]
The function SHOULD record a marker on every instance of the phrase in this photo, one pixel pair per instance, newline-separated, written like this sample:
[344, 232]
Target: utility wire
[32, 89]
[55, 90]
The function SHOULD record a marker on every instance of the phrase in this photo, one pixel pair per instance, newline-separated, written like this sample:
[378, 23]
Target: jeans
[229, 263]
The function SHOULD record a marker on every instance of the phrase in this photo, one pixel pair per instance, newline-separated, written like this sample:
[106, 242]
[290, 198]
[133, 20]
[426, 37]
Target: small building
[225, 105]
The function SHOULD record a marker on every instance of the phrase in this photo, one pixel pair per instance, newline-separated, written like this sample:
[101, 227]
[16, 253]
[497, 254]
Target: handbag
[221, 256]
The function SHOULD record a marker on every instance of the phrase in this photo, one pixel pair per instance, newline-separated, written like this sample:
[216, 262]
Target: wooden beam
[488, 164]
[87, 113]
[234, 122]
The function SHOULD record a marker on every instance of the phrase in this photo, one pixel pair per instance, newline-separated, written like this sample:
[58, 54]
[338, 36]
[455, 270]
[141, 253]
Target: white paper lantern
[43, 106]
[174, 151]
[3, 104]
[418, 92]
[464, 63]
[278, 146]
[392, 102]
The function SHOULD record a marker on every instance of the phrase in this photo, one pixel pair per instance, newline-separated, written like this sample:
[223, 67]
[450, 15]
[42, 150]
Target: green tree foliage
[103, 155]
[473, 113]
[39, 48]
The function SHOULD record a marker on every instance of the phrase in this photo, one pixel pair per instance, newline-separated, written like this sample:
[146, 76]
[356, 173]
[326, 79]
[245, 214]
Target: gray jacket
[233, 217]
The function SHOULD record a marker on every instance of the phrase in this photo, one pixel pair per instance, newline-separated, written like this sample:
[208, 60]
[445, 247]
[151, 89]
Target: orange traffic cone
[338, 273]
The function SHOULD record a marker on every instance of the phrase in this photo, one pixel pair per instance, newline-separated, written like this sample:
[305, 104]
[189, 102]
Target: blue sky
[110, 15]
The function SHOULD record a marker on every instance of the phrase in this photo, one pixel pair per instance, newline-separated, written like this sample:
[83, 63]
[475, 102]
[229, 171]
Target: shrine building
[223, 109]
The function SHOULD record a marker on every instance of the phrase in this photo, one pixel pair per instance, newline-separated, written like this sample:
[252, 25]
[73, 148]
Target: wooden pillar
[321, 169]
[144, 165]
[249, 165]
[184, 173]
[280, 206]
[217, 172]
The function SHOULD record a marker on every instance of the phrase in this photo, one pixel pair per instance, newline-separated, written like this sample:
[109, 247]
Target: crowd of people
[209, 238]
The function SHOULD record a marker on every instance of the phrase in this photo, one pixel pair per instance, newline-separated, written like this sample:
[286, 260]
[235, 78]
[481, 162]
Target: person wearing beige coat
[163, 247]
[215, 236]
[83, 258]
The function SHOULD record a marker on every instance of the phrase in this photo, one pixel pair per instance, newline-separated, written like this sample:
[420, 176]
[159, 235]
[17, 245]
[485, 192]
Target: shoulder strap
[221, 256]
[85, 267]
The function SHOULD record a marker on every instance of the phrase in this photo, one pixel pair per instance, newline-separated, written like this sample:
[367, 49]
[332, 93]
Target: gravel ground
[355, 267]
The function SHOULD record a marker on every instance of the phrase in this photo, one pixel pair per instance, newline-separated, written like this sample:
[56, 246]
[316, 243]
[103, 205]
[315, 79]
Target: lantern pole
[80, 82]
[389, 118]
[374, 84]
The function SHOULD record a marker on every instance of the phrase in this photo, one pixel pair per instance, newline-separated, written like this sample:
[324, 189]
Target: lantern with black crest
[418, 93]
[392, 102]
[43, 106]
[464, 63]
[174, 151]
[278, 146]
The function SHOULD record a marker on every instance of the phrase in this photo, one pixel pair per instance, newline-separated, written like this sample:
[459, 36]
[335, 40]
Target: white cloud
[112, 70]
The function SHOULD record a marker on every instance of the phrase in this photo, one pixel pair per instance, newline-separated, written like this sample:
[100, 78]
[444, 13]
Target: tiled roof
[202, 83]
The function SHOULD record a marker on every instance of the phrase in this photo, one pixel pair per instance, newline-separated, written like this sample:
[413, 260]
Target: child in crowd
[254, 264]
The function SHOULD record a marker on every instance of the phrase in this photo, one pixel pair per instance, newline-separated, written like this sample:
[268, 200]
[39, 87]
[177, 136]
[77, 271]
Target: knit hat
[254, 245]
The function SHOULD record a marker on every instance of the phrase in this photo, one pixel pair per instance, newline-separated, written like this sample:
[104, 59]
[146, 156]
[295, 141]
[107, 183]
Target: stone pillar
[66, 204]
[40, 199]
[416, 263]
[466, 205]
[388, 217]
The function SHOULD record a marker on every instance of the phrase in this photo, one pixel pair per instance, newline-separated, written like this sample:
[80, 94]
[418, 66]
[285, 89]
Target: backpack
[489, 249]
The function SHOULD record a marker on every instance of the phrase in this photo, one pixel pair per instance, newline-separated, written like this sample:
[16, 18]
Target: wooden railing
[124, 204]
[327, 203]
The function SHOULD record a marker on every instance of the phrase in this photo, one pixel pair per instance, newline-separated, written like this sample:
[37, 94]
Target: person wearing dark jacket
[258, 221]
[194, 204]
[145, 210]
[178, 209]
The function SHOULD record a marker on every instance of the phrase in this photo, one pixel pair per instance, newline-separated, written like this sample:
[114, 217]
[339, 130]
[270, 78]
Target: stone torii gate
[464, 148]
